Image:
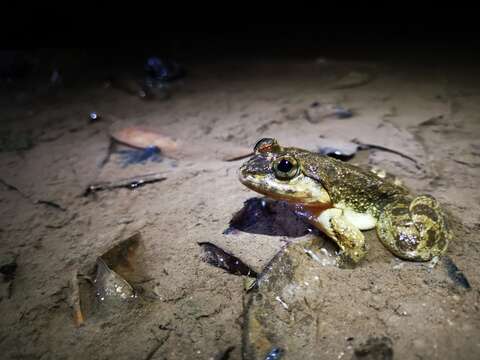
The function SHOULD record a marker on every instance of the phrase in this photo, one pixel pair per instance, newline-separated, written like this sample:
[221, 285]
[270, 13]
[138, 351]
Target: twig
[14, 188]
[153, 351]
[156, 347]
[110, 148]
[10, 290]
[130, 183]
[237, 157]
[75, 301]
[364, 146]
[470, 165]
[25, 196]
[51, 204]
[432, 121]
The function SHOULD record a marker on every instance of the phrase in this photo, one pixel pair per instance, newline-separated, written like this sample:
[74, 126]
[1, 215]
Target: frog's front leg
[338, 225]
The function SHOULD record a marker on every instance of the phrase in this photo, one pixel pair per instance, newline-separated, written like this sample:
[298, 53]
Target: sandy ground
[193, 310]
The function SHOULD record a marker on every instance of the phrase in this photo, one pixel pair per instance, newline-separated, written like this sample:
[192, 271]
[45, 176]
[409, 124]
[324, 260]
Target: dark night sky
[405, 42]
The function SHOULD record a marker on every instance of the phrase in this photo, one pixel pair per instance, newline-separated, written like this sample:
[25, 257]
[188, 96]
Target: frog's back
[356, 187]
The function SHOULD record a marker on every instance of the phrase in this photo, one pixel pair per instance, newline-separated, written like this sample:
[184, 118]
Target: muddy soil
[190, 309]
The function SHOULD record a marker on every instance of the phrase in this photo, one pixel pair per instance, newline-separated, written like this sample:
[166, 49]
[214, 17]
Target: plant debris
[215, 256]
[455, 274]
[433, 121]
[123, 257]
[13, 188]
[134, 156]
[110, 287]
[27, 197]
[238, 156]
[51, 204]
[142, 139]
[78, 316]
[363, 146]
[106, 158]
[129, 183]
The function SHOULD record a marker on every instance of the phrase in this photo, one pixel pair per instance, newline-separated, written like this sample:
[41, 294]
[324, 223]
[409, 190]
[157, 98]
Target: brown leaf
[142, 138]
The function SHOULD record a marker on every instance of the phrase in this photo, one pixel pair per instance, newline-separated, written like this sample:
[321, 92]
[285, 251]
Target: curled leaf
[142, 138]
[215, 256]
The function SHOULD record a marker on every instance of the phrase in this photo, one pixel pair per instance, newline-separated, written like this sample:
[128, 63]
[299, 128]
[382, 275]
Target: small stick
[110, 149]
[364, 146]
[130, 183]
[25, 196]
[51, 204]
[78, 317]
[237, 157]
[14, 188]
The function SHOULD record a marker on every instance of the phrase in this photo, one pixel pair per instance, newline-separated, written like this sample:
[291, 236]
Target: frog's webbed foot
[433, 263]
[414, 229]
[348, 237]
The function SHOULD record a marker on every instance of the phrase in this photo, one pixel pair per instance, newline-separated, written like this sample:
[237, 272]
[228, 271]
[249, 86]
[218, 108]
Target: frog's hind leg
[414, 229]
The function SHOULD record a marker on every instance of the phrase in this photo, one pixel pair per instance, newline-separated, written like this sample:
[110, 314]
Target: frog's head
[278, 172]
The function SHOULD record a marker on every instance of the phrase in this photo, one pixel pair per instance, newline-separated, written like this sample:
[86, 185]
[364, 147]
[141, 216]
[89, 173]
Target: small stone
[93, 116]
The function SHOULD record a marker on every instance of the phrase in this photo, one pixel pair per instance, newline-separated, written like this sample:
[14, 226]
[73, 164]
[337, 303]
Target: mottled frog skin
[341, 199]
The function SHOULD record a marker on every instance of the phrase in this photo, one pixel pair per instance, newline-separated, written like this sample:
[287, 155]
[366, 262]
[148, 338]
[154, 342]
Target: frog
[342, 200]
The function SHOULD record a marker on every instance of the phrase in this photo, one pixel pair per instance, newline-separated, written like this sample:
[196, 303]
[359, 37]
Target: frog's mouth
[254, 183]
[300, 190]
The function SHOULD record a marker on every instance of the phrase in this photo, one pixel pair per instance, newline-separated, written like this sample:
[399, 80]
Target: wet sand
[427, 112]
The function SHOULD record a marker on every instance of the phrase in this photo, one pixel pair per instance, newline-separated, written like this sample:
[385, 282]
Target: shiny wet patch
[268, 217]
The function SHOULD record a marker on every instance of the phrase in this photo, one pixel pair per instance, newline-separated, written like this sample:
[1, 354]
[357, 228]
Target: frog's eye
[265, 145]
[285, 167]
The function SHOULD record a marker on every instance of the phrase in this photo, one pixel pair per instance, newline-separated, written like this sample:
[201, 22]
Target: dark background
[105, 44]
